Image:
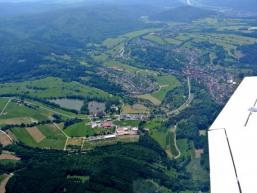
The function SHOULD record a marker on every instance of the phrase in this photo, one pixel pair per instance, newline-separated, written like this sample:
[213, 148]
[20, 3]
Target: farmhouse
[107, 124]
[126, 131]
[95, 124]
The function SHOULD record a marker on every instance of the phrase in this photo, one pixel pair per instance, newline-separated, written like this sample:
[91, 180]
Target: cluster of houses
[141, 117]
[119, 131]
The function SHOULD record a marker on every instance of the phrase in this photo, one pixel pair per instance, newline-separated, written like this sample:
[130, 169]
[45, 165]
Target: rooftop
[233, 141]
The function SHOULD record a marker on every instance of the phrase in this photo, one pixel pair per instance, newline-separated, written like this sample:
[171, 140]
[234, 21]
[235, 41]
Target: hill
[243, 5]
[27, 41]
[184, 13]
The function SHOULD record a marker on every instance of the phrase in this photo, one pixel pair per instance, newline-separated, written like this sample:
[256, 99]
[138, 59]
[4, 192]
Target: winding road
[175, 144]
[6, 105]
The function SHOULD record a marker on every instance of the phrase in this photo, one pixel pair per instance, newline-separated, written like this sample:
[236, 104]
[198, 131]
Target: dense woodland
[107, 169]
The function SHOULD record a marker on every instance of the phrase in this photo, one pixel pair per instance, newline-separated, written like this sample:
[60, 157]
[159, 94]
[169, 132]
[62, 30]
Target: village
[119, 130]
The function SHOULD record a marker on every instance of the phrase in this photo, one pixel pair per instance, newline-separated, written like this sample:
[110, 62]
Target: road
[67, 137]
[175, 143]
[186, 103]
[6, 134]
[5, 106]
[4, 183]
[2, 114]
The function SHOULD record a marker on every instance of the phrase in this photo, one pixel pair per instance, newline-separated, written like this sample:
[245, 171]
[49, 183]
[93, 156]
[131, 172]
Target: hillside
[243, 5]
[26, 42]
[184, 13]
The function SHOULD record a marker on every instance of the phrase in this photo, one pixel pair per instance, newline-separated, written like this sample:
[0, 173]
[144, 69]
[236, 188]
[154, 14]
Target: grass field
[184, 147]
[82, 129]
[150, 98]
[166, 141]
[167, 83]
[154, 124]
[3, 101]
[53, 137]
[155, 39]
[50, 87]
[18, 114]
[196, 170]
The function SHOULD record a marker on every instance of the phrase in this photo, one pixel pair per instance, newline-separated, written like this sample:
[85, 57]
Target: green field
[3, 101]
[50, 87]
[122, 139]
[184, 147]
[166, 83]
[166, 140]
[54, 139]
[81, 129]
[18, 114]
[155, 39]
[196, 170]
[154, 124]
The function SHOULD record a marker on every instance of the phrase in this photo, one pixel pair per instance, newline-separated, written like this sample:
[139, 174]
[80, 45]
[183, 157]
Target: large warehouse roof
[233, 142]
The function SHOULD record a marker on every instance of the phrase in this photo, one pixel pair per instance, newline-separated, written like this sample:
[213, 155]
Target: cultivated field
[4, 140]
[135, 109]
[50, 87]
[36, 134]
[44, 136]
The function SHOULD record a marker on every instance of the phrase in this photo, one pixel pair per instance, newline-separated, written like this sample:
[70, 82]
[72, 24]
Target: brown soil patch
[11, 135]
[36, 134]
[198, 153]
[75, 141]
[4, 140]
[9, 157]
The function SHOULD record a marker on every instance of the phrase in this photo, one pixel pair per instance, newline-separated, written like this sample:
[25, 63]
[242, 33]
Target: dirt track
[4, 182]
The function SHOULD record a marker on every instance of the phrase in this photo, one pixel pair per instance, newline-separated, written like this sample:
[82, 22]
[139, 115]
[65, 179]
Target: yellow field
[134, 109]
[149, 97]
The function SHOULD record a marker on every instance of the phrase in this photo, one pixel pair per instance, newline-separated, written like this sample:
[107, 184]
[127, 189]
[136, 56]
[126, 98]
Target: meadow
[166, 83]
[53, 138]
[51, 87]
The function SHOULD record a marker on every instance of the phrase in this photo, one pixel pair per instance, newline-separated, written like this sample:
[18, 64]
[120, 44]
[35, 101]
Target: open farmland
[4, 139]
[45, 136]
[36, 134]
[81, 129]
[16, 114]
[50, 87]
[166, 83]
[135, 109]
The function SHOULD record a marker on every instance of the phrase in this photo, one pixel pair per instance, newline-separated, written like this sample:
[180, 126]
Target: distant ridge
[184, 13]
[243, 5]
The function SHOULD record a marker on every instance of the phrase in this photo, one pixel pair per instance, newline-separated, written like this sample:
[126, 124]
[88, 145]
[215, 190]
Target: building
[95, 124]
[107, 124]
[233, 142]
[120, 131]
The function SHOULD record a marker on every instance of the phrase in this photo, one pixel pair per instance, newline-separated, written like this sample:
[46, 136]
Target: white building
[233, 143]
